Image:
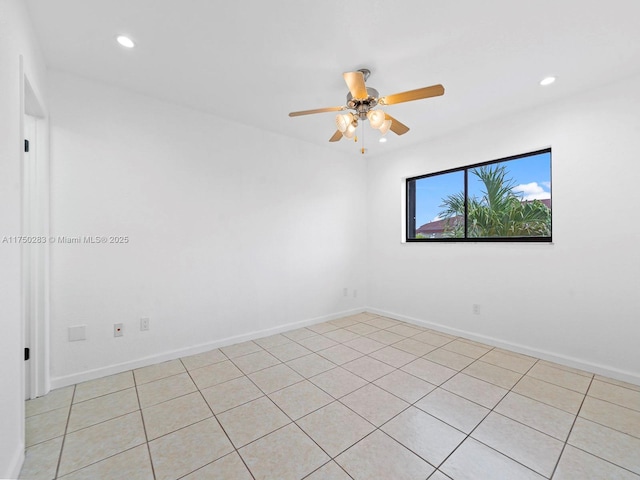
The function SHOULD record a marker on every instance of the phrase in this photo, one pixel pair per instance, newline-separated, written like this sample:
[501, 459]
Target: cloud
[532, 191]
[436, 218]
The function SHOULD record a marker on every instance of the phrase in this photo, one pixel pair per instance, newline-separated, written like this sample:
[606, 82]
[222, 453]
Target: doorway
[35, 247]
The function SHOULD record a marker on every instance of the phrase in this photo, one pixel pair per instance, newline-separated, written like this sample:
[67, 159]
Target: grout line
[109, 456]
[564, 446]
[148, 383]
[565, 369]
[146, 436]
[398, 368]
[565, 442]
[468, 436]
[276, 405]
[543, 402]
[633, 474]
[108, 392]
[309, 413]
[101, 422]
[610, 382]
[331, 460]
[101, 460]
[235, 449]
[339, 400]
[610, 402]
[64, 436]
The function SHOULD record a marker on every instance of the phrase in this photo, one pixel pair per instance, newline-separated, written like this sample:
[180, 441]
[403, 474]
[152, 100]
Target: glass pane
[510, 199]
[439, 206]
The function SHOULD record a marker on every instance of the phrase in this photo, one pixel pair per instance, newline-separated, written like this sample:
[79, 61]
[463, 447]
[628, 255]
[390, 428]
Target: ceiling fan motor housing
[362, 106]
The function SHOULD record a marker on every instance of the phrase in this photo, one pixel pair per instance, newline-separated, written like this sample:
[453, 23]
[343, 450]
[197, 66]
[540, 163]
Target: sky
[531, 175]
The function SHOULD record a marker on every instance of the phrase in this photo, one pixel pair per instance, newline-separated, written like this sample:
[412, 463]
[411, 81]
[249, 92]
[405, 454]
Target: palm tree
[500, 212]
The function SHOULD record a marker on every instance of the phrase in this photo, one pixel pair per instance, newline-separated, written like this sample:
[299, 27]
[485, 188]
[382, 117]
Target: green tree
[500, 212]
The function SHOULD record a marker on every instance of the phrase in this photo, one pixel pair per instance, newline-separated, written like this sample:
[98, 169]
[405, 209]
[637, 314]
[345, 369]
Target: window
[506, 200]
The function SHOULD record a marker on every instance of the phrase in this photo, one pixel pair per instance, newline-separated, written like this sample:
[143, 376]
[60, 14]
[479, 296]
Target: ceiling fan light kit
[350, 130]
[362, 100]
[376, 118]
[384, 128]
[343, 120]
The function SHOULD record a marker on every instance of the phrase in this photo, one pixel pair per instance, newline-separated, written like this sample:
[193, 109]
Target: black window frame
[410, 207]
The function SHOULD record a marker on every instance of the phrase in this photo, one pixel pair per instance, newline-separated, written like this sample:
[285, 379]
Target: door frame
[35, 257]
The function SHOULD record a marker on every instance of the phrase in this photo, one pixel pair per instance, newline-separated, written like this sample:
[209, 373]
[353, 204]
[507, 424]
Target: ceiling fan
[362, 100]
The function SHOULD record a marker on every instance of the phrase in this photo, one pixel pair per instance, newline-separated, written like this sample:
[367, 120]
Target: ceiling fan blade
[397, 127]
[355, 82]
[426, 92]
[336, 136]
[317, 110]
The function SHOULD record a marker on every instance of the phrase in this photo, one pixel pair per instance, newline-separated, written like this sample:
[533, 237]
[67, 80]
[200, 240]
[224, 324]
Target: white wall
[575, 301]
[16, 39]
[232, 230]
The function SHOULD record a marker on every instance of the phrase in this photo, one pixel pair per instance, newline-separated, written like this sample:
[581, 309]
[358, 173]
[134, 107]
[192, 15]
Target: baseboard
[14, 467]
[64, 381]
[581, 364]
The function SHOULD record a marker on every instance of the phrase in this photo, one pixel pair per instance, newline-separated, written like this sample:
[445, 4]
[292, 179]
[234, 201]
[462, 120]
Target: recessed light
[383, 139]
[547, 81]
[125, 41]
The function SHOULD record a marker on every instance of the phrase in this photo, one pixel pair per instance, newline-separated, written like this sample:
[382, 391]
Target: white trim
[626, 376]
[35, 257]
[15, 466]
[59, 382]
[607, 371]
[40, 335]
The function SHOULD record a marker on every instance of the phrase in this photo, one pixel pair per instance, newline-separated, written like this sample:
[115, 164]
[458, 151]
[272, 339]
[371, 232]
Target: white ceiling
[254, 61]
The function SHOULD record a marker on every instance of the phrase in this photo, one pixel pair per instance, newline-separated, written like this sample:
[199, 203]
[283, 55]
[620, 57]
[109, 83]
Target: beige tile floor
[362, 397]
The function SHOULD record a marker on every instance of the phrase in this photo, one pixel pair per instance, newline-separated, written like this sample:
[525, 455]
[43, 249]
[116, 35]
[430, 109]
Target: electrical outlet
[118, 329]
[345, 291]
[355, 293]
[476, 309]
[144, 324]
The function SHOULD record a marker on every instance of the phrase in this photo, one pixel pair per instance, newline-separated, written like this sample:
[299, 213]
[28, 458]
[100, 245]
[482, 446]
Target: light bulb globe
[343, 121]
[350, 131]
[384, 128]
